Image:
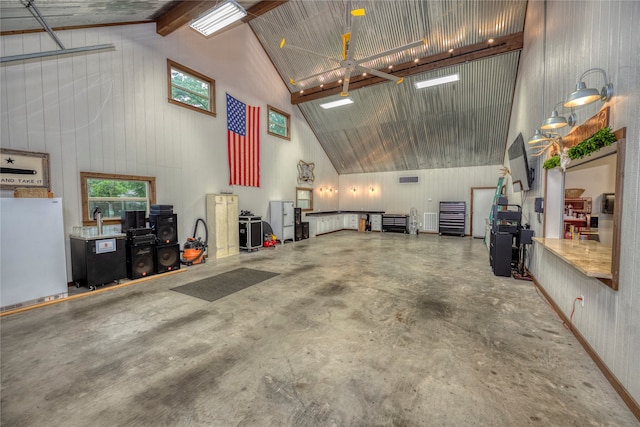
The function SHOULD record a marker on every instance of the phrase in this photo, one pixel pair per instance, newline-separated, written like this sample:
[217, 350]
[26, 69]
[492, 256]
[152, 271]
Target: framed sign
[23, 169]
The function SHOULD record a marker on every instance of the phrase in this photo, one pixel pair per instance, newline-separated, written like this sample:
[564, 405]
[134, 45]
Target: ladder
[495, 200]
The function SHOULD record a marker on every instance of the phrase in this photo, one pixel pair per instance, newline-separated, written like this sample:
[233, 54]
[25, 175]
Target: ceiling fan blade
[418, 43]
[349, 39]
[284, 45]
[293, 82]
[381, 74]
[345, 82]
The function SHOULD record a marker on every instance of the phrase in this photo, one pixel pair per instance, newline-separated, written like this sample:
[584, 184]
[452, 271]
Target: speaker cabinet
[167, 258]
[132, 219]
[165, 227]
[140, 260]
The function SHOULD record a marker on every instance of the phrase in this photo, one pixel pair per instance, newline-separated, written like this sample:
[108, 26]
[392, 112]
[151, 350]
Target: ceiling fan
[348, 61]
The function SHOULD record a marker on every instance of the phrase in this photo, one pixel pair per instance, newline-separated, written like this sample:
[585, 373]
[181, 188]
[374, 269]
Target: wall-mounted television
[521, 174]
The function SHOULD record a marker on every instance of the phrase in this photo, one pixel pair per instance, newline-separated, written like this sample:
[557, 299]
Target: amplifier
[138, 232]
[145, 239]
[161, 209]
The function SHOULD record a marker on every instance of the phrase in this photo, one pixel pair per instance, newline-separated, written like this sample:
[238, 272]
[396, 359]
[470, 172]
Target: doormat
[216, 287]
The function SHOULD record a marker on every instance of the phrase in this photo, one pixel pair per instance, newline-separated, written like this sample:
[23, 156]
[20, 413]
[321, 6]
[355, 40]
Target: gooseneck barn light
[225, 13]
[556, 121]
[584, 95]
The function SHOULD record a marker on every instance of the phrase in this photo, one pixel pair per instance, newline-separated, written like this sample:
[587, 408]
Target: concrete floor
[357, 330]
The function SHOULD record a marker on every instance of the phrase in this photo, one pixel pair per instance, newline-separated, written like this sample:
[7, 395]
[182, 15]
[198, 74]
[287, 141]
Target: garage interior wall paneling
[580, 36]
[108, 112]
[434, 186]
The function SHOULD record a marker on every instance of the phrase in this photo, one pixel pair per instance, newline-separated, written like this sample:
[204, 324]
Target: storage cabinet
[376, 222]
[452, 218]
[397, 223]
[282, 219]
[223, 225]
[98, 261]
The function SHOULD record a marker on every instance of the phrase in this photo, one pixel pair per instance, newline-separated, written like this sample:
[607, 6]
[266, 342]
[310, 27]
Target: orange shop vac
[194, 248]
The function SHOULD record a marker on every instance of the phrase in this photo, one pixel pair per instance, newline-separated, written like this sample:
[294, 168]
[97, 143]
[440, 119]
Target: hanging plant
[603, 138]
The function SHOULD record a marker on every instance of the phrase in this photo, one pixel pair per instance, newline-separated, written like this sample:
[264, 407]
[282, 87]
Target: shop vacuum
[194, 248]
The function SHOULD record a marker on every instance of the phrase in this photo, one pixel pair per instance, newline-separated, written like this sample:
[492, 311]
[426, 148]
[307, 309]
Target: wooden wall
[108, 112]
[578, 36]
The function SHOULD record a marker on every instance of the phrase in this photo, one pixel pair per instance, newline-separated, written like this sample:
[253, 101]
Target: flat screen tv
[521, 174]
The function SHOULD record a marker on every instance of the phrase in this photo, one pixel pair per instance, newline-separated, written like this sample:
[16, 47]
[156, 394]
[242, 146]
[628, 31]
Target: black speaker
[165, 227]
[167, 258]
[305, 230]
[297, 215]
[140, 260]
[132, 219]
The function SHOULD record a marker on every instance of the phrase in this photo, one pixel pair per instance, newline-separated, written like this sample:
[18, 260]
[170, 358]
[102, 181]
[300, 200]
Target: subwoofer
[165, 227]
[140, 261]
[167, 258]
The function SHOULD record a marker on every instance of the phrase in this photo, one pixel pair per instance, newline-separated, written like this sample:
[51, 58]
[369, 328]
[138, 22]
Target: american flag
[243, 138]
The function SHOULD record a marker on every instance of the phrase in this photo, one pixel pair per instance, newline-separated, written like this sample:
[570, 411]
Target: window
[304, 198]
[114, 194]
[278, 123]
[190, 89]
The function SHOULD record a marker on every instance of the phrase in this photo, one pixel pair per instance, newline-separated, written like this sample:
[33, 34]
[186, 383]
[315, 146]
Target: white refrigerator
[33, 266]
[282, 220]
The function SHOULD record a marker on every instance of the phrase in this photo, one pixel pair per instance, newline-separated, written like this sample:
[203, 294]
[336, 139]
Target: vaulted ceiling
[389, 126]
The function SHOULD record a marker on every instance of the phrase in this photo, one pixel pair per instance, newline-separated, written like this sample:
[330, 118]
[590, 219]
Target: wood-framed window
[113, 194]
[279, 123]
[191, 89]
[304, 198]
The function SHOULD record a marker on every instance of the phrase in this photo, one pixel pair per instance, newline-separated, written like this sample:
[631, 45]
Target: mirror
[304, 198]
[599, 174]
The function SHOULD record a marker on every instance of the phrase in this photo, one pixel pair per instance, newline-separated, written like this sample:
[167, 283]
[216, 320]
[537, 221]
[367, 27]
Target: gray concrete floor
[357, 330]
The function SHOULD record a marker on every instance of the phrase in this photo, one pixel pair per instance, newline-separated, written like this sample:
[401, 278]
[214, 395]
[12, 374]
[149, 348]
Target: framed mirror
[304, 198]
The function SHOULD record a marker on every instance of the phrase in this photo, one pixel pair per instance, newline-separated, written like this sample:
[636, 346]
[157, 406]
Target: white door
[482, 201]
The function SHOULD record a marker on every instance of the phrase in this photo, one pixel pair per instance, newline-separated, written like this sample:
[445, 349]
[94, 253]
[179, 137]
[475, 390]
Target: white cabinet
[282, 220]
[351, 222]
[223, 224]
[376, 222]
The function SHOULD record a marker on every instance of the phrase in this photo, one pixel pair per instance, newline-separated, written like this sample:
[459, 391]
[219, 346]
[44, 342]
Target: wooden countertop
[591, 258]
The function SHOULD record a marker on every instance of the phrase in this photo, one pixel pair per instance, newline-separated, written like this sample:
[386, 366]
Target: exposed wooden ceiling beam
[261, 8]
[187, 10]
[464, 54]
[181, 14]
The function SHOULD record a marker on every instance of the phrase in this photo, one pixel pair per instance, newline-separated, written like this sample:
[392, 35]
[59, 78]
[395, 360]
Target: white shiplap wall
[108, 112]
[435, 185]
[579, 36]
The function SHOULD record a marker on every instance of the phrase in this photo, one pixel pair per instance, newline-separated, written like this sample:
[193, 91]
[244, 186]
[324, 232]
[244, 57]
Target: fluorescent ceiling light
[337, 103]
[438, 81]
[223, 14]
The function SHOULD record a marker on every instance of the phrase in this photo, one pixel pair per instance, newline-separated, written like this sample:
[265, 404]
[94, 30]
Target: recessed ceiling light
[437, 81]
[337, 103]
[340, 81]
[490, 40]
[416, 60]
[322, 85]
[364, 74]
[390, 66]
[450, 50]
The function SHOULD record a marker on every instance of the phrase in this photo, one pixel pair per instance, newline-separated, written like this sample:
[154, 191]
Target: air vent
[408, 180]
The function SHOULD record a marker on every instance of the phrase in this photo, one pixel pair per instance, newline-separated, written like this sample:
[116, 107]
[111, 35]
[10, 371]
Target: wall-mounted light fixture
[372, 189]
[538, 137]
[320, 189]
[225, 13]
[556, 121]
[584, 95]
[353, 189]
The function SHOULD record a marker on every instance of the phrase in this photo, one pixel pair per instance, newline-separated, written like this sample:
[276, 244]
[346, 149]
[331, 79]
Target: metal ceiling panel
[393, 127]
[398, 127]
